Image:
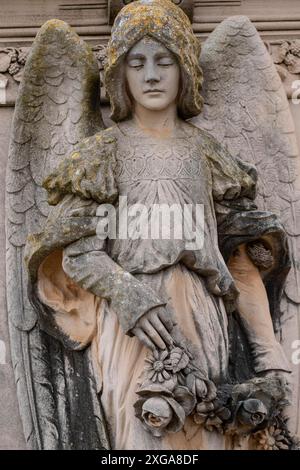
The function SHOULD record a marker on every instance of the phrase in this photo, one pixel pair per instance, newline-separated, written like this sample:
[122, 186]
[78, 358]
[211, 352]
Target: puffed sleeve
[87, 172]
[234, 182]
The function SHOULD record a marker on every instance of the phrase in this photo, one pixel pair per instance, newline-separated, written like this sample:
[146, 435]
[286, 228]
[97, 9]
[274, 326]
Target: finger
[166, 319]
[143, 338]
[153, 335]
[160, 328]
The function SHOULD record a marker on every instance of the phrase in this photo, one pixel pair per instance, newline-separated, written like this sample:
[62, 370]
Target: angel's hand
[154, 327]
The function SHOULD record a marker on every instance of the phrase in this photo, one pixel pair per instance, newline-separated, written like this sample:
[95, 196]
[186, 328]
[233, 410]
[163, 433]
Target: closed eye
[135, 63]
[165, 64]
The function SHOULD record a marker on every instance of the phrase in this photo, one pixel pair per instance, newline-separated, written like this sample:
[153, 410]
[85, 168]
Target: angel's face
[152, 74]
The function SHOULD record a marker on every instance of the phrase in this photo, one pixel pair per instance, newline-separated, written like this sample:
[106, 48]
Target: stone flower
[212, 416]
[271, 438]
[251, 412]
[157, 415]
[185, 398]
[162, 365]
[159, 366]
[160, 414]
[179, 359]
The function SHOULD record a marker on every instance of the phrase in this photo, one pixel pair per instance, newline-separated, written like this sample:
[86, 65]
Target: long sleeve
[87, 263]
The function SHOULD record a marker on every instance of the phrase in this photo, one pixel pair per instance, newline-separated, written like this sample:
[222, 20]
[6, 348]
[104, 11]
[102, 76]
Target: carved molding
[286, 57]
[114, 6]
[217, 3]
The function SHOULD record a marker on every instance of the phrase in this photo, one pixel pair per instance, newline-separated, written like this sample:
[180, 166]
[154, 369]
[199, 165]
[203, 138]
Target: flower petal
[282, 446]
[166, 374]
[164, 355]
[149, 359]
[156, 354]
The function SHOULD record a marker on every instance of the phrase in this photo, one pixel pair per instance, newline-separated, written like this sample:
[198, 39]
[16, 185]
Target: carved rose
[156, 414]
[160, 414]
[252, 412]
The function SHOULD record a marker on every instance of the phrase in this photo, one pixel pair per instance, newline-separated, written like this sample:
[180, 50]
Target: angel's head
[153, 47]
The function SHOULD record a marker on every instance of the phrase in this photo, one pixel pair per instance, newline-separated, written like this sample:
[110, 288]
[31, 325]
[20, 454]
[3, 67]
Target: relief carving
[286, 56]
[12, 61]
[178, 332]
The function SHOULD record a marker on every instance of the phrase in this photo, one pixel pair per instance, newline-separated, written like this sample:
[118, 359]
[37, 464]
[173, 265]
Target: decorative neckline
[132, 130]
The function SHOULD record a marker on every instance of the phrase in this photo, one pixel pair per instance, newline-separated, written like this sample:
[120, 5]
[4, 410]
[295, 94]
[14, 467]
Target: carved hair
[168, 24]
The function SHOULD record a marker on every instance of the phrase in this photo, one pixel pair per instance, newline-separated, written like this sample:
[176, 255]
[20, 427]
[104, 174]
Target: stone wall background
[19, 22]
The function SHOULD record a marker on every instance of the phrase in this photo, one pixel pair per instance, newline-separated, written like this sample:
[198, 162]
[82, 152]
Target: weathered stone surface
[167, 409]
[10, 422]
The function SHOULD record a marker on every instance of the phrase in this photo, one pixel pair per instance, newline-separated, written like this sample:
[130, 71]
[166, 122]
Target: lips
[153, 91]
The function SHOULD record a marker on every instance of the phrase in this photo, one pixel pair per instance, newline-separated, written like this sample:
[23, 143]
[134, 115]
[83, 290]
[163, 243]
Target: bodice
[175, 173]
[148, 158]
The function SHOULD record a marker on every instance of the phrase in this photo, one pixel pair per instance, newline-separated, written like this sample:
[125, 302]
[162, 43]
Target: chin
[156, 106]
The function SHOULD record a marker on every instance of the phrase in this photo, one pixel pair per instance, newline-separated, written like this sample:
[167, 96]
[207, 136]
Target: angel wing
[58, 105]
[246, 108]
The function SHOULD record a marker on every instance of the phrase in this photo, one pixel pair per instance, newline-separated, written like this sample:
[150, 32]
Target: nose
[151, 72]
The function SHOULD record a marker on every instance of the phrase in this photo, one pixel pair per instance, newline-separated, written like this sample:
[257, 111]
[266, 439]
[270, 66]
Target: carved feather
[246, 109]
[58, 105]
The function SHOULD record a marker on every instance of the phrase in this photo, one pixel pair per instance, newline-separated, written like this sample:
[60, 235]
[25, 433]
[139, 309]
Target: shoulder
[204, 139]
[218, 154]
[88, 171]
[106, 138]
[230, 174]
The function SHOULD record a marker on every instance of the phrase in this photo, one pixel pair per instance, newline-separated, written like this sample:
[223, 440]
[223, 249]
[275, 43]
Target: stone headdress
[167, 23]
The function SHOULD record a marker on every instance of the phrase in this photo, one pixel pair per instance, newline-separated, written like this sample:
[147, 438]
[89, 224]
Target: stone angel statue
[151, 342]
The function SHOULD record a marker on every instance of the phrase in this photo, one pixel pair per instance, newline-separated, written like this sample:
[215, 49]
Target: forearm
[88, 264]
[254, 312]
